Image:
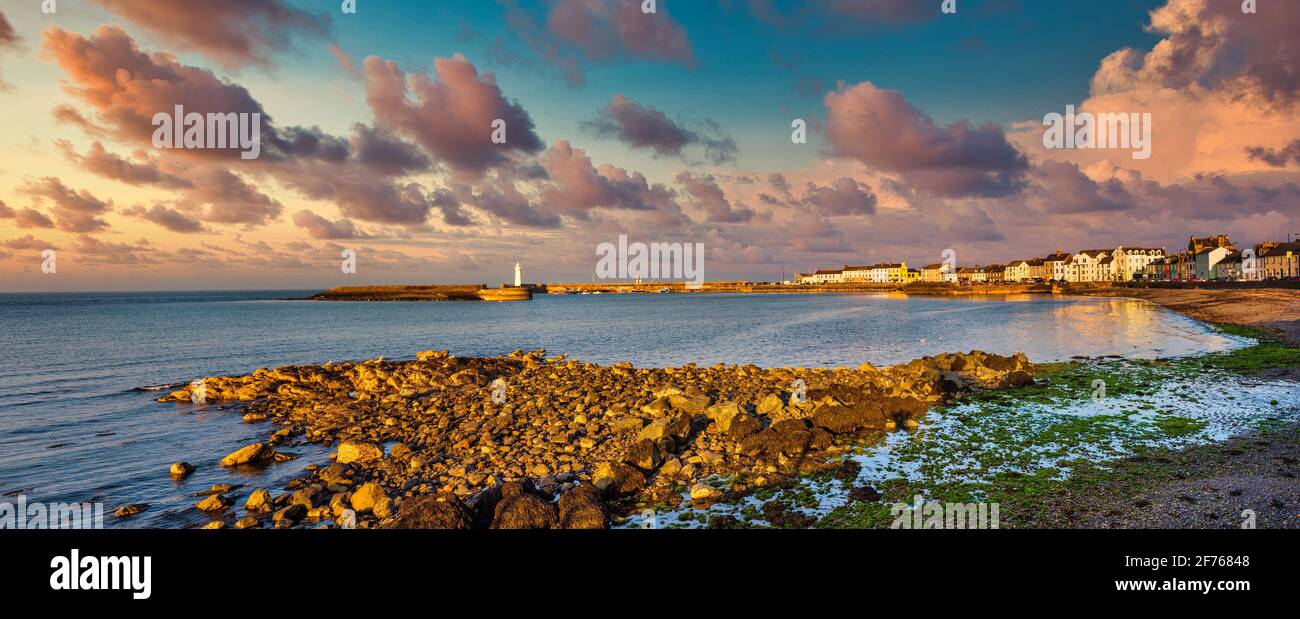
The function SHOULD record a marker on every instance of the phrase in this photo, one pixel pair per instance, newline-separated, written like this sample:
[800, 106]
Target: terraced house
[1089, 265]
[1054, 266]
[1280, 260]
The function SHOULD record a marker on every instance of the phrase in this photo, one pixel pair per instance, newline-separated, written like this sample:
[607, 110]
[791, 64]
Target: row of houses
[894, 273]
[1206, 258]
[1217, 258]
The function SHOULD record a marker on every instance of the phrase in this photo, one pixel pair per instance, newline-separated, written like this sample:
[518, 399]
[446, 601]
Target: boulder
[582, 508]
[257, 453]
[133, 509]
[214, 503]
[358, 451]
[678, 428]
[849, 419]
[690, 404]
[742, 426]
[770, 405]
[181, 469]
[1016, 378]
[705, 492]
[432, 512]
[259, 501]
[644, 455]
[290, 515]
[618, 479]
[524, 511]
[789, 437]
[723, 413]
[371, 497]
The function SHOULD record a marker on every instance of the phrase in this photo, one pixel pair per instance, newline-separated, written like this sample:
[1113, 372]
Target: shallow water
[75, 425]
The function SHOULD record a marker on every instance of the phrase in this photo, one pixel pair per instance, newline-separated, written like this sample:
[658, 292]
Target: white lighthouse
[519, 275]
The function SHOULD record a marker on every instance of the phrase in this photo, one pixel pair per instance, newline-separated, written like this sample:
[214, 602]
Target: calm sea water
[75, 424]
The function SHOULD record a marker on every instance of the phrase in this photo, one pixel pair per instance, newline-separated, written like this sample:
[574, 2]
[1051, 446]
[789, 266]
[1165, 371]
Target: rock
[255, 417]
[291, 514]
[308, 497]
[704, 492]
[627, 424]
[259, 501]
[742, 426]
[901, 409]
[432, 512]
[370, 497]
[770, 405]
[689, 404]
[213, 503]
[358, 451]
[335, 475]
[849, 420]
[181, 469]
[677, 428]
[864, 493]
[524, 511]
[215, 524]
[789, 437]
[644, 455]
[582, 508]
[257, 453]
[133, 509]
[723, 413]
[1017, 378]
[248, 522]
[617, 479]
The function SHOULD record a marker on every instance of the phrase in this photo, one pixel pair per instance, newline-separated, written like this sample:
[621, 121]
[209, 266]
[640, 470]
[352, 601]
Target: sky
[925, 132]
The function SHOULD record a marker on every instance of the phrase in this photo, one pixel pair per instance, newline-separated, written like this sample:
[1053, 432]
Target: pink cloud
[881, 129]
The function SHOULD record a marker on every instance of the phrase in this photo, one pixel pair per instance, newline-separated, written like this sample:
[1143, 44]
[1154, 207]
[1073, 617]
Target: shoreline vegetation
[439, 442]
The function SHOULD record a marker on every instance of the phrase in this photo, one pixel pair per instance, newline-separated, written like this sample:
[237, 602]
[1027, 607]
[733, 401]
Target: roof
[828, 272]
[1281, 249]
[931, 267]
[1057, 257]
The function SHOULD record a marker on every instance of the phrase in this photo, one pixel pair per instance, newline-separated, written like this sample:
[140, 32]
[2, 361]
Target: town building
[1229, 268]
[1054, 266]
[1281, 260]
[1089, 265]
[1130, 261]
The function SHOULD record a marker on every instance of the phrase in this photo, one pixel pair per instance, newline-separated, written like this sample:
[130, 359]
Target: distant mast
[519, 275]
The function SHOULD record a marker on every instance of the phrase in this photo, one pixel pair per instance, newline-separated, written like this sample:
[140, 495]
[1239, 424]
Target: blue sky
[925, 134]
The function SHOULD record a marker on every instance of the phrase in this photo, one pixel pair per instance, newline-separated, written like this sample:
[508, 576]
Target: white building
[1129, 261]
[1089, 265]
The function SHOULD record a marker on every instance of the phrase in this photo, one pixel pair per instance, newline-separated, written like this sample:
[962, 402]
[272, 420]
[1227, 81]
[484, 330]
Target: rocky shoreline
[531, 441]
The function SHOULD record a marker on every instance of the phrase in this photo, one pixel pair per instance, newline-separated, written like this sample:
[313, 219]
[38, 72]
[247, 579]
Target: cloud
[710, 198]
[648, 128]
[1062, 188]
[841, 14]
[579, 186]
[882, 130]
[1214, 45]
[103, 163]
[451, 117]
[843, 197]
[502, 198]
[8, 38]
[1289, 154]
[26, 243]
[600, 31]
[381, 151]
[168, 218]
[321, 228]
[232, 32]
[74, 211]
